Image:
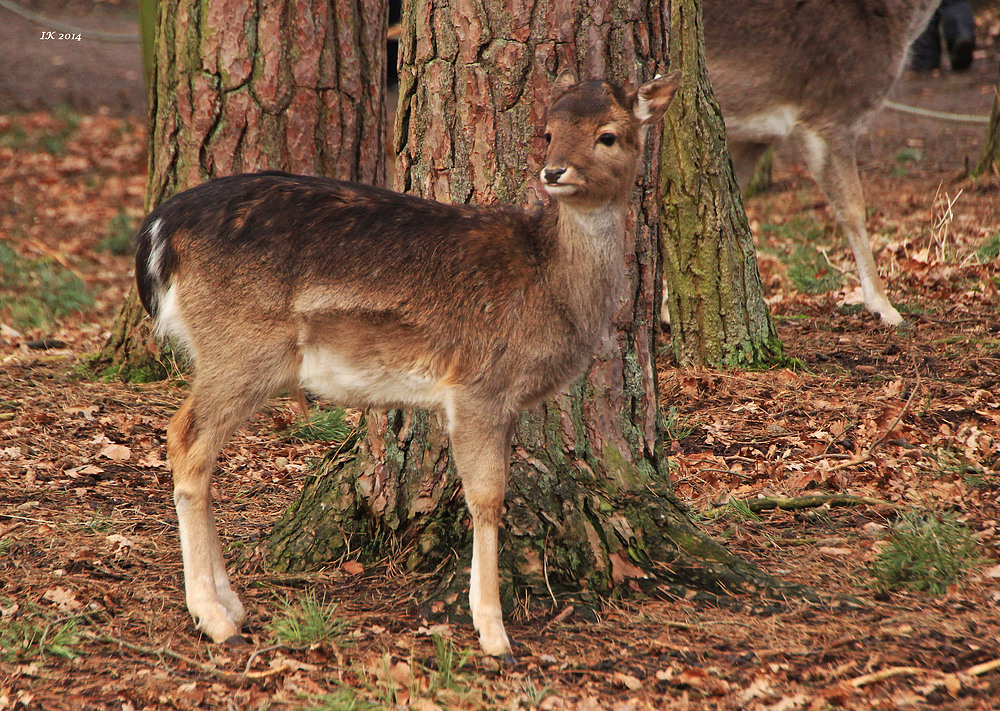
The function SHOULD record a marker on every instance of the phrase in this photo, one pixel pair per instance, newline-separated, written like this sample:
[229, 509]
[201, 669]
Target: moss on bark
[718, 316]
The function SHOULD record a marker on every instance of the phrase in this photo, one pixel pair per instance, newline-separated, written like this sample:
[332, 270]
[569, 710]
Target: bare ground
[908, 418]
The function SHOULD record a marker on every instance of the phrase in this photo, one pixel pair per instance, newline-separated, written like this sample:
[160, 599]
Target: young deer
[815, 71]
[376, 299]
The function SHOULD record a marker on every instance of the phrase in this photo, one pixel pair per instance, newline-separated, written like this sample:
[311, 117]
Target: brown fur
[831, 64]
[378, 299]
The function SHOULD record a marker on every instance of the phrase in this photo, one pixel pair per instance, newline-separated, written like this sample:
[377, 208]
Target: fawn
[376, 299]
[815, 71]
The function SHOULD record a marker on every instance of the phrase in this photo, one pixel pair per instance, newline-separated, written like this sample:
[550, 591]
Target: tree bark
[589, 510]
[718, 315]
[989, 161]
[293, 86]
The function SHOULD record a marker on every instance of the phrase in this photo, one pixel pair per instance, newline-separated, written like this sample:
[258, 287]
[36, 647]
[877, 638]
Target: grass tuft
[344, 699]
[118, 239]
[307, 621]
[677, 426]
[811, 272]
[32, 636]
[925, 553]
[448, 661]
[323, 425]
[989, 250]
[36, 293]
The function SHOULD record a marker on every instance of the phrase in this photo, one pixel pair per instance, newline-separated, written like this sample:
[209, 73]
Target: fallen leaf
[622, 568]
[86, 410]
[116, 452]
[830, 550]
[63, 598]
[627, 680]
[352, 567]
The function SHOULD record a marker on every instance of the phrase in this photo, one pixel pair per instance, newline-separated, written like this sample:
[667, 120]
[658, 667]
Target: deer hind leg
[481, 448]
[197, 432]
[835, 168]
[746, 155]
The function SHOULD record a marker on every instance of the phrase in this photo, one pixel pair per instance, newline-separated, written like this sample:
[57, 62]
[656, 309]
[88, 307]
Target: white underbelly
[765, 126]
[326, 373]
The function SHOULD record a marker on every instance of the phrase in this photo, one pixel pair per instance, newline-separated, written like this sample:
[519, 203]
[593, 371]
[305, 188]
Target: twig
[977, 670]
[983, 668]
[161, 652]
[257, 652]
[860, 681]
[844, 272]
[545, 568]
[871, 450]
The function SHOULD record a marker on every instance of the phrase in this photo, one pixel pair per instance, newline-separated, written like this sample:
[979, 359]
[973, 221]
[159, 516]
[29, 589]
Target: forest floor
[907, 421]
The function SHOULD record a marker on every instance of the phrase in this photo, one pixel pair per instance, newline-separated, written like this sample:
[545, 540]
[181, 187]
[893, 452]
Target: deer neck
[587, 272]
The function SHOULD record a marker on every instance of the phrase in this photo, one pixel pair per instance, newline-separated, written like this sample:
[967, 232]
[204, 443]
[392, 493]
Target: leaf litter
[878, 422]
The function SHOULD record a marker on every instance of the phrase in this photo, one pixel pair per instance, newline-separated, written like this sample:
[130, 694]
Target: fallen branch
[814, 501]
[806, 502]
[983, 668]
[860, 681]
[977, 670]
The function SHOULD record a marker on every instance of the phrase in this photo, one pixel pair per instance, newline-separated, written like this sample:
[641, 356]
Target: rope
[927, 113]
[62, 26]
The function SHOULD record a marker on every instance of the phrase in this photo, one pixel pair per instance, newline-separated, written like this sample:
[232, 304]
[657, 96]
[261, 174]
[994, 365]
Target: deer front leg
[482, 456]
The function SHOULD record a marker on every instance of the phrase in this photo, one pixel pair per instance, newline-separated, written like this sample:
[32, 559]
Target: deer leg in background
[746, 155]
[481, 447]
[835, 168]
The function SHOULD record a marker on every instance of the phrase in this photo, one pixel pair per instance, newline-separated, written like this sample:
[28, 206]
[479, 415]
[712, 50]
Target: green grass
[798, 230]
[990, 248]
[49, 141]
[308, 620]
[31, 635]
[36, 293]
[925, 553]
[118, 239]
[677, 426]
[344, 699]
[811, 273]
[449, 662]
[322, 425]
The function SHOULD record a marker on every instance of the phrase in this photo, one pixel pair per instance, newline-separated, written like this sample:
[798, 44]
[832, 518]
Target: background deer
[817, 72]
[376, 299]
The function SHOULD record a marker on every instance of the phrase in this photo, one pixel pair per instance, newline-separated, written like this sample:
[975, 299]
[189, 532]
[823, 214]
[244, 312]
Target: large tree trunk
[989, 161]
[588, 509]
[294, 86]
[718, 315]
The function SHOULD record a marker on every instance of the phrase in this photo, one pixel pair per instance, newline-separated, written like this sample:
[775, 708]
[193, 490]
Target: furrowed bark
[589, 510]
[293, 86]
[989, 161]
[718, 316]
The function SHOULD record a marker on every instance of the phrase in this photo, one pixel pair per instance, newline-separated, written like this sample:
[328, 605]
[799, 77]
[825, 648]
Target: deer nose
[552, 175]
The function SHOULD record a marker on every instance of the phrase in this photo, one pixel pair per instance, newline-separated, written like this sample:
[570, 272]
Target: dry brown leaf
[627, 680]
[116, 452]
[64, 599]
[352, 567]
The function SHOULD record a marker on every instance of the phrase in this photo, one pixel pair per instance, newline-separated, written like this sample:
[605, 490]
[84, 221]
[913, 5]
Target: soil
[903, 420]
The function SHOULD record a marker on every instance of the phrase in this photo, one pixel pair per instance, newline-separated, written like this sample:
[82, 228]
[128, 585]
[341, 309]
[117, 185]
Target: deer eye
[607, 139]
[548, 137]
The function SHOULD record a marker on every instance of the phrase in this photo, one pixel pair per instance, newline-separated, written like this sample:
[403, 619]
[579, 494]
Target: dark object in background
[953, 21]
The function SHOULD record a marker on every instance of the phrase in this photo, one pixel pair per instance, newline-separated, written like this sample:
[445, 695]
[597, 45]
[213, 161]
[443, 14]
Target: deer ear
[652, 99]
[565, 80]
